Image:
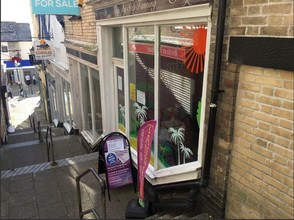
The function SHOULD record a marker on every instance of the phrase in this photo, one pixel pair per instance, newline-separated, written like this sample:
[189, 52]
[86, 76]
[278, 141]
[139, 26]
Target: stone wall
[252, 170]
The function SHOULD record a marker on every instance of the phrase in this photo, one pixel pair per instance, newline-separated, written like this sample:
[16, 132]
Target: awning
[24, 64]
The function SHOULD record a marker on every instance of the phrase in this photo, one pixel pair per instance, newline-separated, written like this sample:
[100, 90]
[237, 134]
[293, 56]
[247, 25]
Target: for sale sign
[53, 7]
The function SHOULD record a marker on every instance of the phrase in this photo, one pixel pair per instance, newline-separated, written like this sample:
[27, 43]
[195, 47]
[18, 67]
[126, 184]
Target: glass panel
[121, 99]
[86, 97]
[117, 42]
[54, 107]
[97, 114]
[182, 50]
[67, 102]
[141, 78]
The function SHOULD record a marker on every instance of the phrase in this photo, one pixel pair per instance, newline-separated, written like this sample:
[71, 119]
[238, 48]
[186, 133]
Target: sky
[16, 10]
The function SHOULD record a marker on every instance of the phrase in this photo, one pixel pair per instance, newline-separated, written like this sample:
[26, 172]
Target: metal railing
[32, 123]
[103, 192]
[40, 132]
[49, 144]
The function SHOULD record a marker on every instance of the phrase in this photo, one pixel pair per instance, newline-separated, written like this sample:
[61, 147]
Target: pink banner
[145, 137]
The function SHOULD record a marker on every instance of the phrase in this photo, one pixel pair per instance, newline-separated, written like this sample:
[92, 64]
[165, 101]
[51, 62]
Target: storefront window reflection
[97, 102]
[180, 91]
[67, 102]
[180, 81]
[86, 97]
[141, 78]
[121, 99]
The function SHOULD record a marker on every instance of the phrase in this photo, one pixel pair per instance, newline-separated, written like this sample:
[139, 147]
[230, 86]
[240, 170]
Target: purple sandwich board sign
[117, 159]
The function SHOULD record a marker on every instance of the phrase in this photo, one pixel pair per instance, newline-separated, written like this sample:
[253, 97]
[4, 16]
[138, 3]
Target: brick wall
[261, 17]
[84, 29]
[261, 174]
[252, 161]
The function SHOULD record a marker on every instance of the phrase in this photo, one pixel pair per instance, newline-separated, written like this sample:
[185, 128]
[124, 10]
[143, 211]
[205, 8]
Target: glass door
[119, 95]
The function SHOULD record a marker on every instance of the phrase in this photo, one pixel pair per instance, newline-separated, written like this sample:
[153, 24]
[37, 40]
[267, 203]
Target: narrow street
[32, 187]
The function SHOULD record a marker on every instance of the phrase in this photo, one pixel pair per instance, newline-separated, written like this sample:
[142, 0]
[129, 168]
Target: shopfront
[153, 61]
[59, 95]
[86, 94]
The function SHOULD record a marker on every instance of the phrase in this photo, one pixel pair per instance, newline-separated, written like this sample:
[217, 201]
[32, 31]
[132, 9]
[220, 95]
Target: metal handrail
[34, 125]
[30, 118]
[40, 132]
[47, 143]
[103, 192]
[50, 145]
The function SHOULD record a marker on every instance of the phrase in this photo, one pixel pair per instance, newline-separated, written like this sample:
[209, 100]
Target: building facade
[16, 42]
[176, 62]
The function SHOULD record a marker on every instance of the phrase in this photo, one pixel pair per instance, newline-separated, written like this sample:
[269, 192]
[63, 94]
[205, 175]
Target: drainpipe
[214, 91]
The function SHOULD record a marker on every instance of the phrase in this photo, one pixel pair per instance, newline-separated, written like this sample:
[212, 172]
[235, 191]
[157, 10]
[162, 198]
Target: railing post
[34, 125]
[103, 196]
[54, 163]
[47, 144]
[30, 118]
[40, 132]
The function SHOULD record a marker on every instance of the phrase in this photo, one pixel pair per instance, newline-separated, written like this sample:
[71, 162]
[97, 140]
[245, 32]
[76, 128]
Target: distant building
[16, 42]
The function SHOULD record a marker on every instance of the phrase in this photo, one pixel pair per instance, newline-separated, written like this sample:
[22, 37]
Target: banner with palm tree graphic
[145, 137]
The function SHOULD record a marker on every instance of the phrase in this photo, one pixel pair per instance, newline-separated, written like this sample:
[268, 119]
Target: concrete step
[34, 168]
[28, 134]
[27, 153]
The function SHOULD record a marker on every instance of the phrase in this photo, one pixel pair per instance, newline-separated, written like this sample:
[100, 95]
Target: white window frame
[93, 137]
[192, 14]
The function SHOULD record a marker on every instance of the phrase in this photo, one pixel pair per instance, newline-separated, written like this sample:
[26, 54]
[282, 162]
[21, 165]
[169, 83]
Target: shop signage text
[43, 51]
[63, 7]
[143, 6]
[117, 161]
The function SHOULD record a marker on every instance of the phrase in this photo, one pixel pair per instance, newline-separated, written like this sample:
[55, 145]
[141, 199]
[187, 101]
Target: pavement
[33, 187]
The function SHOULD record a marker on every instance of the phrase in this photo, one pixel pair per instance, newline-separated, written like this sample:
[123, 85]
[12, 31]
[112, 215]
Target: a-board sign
[116, 149]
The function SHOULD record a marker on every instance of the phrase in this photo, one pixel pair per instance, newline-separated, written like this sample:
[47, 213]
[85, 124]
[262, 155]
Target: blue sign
[111, 159]
[54, 7]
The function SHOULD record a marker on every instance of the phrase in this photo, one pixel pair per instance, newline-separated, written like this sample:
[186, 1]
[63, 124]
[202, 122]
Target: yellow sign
[133, 92]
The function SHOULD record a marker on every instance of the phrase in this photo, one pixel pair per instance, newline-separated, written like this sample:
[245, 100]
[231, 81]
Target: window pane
[86, 97]
[141, 76]
[182, 50]
[121, 99]
[117, 42]
[67, 102]
[97, 114]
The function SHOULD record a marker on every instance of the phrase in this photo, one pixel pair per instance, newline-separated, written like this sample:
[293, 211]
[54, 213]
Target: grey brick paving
[31, 188]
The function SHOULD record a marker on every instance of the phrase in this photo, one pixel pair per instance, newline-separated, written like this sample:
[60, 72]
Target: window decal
[194, 55]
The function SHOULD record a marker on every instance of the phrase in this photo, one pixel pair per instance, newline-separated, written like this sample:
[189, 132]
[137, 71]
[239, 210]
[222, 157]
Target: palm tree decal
[186, 152]
[122, 114]
[163, 152]
[177, 137]
[141, 114]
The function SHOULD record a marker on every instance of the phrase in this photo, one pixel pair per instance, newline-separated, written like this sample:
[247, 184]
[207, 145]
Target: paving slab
[33, 188]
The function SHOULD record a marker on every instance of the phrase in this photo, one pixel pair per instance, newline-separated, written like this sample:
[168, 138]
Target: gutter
[214, 92]
[213, 107]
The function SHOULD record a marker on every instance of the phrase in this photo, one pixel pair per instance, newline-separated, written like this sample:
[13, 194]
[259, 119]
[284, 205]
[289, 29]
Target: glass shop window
[92, 117]
[141, 78]
[181, 55]
[67, 102]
